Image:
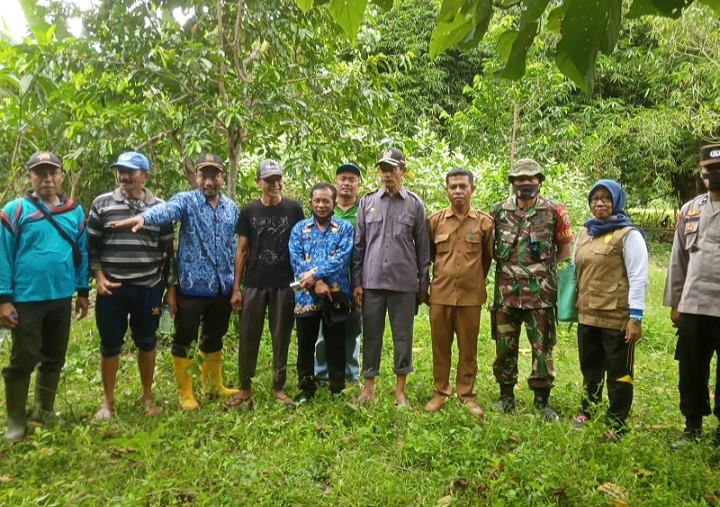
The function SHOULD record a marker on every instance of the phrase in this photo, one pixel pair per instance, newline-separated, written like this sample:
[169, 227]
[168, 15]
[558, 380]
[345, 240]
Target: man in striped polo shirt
[130, 275]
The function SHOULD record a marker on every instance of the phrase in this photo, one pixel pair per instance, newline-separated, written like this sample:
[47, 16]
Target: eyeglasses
[604, 198]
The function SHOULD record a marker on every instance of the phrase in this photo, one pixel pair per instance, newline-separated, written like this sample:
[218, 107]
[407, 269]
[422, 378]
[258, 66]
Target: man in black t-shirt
[262, 266]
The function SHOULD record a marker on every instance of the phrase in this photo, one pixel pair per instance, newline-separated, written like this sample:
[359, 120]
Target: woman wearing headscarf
[611, 263]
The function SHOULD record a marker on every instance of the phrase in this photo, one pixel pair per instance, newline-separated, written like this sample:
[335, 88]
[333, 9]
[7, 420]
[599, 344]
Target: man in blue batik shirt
[205, 256]
[320, 248]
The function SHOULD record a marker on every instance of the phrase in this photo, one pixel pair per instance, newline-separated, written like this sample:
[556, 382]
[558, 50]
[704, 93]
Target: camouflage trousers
[540, 328]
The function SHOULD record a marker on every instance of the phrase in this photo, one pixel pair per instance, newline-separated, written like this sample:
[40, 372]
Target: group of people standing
[336, 275]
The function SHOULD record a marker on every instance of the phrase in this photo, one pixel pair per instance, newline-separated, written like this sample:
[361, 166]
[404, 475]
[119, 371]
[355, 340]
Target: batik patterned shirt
[206, 243]
[326, 253]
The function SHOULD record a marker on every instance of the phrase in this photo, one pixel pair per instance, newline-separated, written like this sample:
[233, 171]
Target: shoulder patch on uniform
[690, 227]
[693, 211]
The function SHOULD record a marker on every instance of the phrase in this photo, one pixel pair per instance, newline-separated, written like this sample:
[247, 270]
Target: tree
[249, 78]
[586, 28]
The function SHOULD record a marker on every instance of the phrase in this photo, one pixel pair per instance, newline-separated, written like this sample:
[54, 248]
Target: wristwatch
[636, 321]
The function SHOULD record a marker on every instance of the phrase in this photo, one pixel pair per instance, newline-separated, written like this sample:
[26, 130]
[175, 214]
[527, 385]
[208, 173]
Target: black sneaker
[687, 436]
[505, 403]
[303, 397]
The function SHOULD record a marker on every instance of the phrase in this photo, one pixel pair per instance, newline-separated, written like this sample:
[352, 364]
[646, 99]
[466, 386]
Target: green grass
[329, 453]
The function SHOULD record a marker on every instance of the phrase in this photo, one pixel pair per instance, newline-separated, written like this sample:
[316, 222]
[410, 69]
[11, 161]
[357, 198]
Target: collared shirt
[392, 246]
[461, 254]
[693, 279]
[36, 263]
[123, 255]
[324, 252]
[348, 215]
[525, 252]
[206, 244]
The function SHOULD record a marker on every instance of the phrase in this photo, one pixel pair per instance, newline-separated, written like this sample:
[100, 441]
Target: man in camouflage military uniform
[532, 234]
[691, 290]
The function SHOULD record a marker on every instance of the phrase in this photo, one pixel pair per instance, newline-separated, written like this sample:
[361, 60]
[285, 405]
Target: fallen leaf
[444, 501]
[512, 436]
[614, 491]
[620, 503]
[4, 478]
[709, 497]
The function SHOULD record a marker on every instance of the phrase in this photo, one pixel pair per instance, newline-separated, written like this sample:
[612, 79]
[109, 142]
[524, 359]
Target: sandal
[237, 400]
[287, 400]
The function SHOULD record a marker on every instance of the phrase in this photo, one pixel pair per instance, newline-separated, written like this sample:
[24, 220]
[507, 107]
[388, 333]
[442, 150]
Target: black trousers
[212, 312]
[279, 304]
[40, 338]
[307, 332]
[603, 352]
[698, 340]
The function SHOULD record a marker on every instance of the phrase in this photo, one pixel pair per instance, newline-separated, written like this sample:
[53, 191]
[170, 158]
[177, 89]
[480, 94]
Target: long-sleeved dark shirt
[392, 246]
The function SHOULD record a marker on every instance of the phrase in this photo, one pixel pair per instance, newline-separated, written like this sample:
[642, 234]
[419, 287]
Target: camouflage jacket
[526, 274]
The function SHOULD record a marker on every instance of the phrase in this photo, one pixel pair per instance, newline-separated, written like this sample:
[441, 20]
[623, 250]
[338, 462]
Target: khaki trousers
[463, 321]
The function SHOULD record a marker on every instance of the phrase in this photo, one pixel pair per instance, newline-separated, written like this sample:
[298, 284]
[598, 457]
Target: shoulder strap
[63, 234]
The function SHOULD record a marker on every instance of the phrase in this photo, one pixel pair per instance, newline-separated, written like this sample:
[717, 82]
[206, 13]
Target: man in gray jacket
[390, 271]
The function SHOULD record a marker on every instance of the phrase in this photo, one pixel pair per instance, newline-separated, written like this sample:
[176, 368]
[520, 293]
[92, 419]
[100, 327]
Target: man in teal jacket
[43, 261]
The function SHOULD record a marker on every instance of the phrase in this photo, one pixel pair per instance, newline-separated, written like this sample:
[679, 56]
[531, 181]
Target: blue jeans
[353, 328]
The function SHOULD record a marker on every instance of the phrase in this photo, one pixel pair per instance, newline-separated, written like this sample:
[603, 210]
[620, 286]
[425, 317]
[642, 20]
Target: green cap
[526, 167]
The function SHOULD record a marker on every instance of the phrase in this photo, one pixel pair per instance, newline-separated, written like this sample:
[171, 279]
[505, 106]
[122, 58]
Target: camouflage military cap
[526, 167]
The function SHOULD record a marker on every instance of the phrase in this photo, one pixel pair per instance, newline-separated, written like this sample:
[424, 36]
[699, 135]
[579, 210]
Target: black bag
[76, 254]
[336, 311]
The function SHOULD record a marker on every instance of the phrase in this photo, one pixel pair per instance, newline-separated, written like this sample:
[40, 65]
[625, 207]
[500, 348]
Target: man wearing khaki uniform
[461, 248]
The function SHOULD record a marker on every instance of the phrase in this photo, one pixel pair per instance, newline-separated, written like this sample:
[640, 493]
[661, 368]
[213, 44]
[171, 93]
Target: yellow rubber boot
[211, 377]
[183, 377]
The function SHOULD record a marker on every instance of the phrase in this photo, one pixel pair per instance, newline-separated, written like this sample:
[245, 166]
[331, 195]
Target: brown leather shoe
[435, 404]
[474, 409]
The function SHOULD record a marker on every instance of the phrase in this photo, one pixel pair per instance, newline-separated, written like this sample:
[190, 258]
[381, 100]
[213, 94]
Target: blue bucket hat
[132, 160]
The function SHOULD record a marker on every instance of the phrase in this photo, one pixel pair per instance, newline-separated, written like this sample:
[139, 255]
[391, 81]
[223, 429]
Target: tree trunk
[234, 148]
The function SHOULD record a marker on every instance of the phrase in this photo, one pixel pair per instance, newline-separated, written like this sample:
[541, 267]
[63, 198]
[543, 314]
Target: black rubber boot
[46, 385]
[691, 433]
[16, 392]
[542, 403]
[506, 402]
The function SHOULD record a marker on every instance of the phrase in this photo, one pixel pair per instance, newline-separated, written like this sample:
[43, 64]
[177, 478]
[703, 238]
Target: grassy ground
[329, 453]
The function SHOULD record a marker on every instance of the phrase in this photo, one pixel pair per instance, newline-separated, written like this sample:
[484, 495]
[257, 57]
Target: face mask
[713, 180]
[527, 191]
[322, 220]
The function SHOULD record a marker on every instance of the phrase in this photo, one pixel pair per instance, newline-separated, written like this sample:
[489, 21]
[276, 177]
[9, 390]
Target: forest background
[279, 78]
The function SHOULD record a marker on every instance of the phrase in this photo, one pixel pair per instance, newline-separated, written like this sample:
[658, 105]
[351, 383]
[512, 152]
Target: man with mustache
[206, 248]
[691, 291]
[461, 247]
[390, 264]
[262, 267]
[347, 183]
[532, 234]
[43, 261]
[130, 276]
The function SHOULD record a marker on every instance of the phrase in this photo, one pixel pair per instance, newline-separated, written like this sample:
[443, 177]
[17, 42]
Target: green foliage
[263, 81]
[333, 453]
[586, 28]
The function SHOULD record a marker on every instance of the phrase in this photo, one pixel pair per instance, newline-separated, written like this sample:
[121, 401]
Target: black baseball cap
[44, 158]
[210, 160]
[391, 156]
[348, 167]
[710, 155]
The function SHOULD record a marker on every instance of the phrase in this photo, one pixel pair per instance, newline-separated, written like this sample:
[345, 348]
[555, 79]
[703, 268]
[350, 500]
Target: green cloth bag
[567, 282]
